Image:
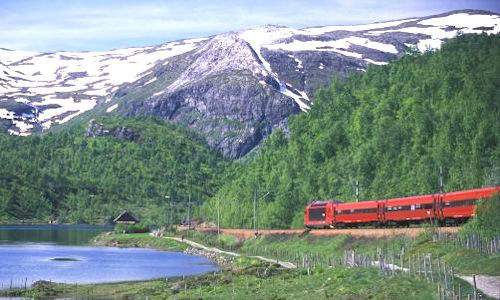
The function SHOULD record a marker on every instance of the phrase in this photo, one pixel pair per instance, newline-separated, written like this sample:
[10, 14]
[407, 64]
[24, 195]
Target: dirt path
[489, 285]
[193, 244]
[362, 232]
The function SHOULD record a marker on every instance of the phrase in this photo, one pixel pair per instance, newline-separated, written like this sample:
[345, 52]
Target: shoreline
[49, 289]
[102, 240]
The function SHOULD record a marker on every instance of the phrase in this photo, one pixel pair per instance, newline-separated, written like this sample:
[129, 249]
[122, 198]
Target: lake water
[56, 253]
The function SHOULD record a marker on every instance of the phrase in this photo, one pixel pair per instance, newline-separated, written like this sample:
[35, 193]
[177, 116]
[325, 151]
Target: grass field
[143, 240]
[261, 281]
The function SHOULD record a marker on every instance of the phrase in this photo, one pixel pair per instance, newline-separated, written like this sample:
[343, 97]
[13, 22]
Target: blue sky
[81, 25]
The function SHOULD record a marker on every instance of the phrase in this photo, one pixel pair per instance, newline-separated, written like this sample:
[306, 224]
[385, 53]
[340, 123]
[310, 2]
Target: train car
[408, 210]
[457, 207]
[319, 214]
[356, 214]
[448, 208]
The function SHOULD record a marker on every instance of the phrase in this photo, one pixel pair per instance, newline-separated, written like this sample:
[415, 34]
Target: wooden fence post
[475, 287]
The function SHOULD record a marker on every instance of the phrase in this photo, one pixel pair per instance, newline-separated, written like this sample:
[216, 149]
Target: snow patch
[339, 46]
[23, 126]
[429, 44]
[299, 63]
[151, 81]
[298, 99]
[326, 29]
[259, 37]
[158, 93]
[11, 56]
[375, 62]
[5, 114]
[464, 20]
[111, 108]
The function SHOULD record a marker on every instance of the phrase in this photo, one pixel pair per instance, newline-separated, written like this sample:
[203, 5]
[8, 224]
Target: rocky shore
[220, 259]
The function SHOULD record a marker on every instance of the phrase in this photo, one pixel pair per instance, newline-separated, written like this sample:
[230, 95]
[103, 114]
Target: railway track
[361, 232]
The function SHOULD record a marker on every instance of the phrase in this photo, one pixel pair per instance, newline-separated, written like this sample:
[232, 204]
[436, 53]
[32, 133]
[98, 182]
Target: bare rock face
[222, 94]
[234, 88]
[96, 129]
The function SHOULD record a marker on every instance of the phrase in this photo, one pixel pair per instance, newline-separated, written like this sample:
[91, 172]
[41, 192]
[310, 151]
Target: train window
[356, 211]
[468, 202]
[406, 207]
[317, 214]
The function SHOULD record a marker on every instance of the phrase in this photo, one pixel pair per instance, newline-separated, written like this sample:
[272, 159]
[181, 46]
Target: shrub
[136, 228]
[485, 222]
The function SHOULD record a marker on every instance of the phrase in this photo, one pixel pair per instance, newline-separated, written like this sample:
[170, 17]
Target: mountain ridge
[263, 75]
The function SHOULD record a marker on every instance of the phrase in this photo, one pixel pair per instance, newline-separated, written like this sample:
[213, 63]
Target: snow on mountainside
[38, 90]
[62, 85]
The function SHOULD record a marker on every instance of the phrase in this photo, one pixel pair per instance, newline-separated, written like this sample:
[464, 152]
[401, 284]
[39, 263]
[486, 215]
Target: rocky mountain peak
[225, 52]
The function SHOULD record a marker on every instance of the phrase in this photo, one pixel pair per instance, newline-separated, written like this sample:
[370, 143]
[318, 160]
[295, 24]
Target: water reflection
[60, 234]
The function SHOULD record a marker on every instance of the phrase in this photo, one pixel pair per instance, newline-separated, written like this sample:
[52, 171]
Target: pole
[475, 287]
[218, 216]
[169, 220]
[255, 209]
[357, 190]
[441, 184]
[171, 215]
[189, 212]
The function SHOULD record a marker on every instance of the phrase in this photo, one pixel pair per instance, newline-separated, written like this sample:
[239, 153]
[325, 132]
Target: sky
[95, 25]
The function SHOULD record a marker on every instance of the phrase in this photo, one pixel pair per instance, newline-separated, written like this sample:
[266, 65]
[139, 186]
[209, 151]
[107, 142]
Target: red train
[447, 208]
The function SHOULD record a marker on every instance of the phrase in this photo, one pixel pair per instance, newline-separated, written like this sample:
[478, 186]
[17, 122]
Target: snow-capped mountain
[234, 88]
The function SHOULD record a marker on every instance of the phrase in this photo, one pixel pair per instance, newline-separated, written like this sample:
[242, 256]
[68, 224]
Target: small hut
[126, 218]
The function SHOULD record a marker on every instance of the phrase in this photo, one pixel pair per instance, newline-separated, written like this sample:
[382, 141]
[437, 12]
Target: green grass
[292, 247]
[289, 246]
[464, 261]
[139, 240]
[338, 283]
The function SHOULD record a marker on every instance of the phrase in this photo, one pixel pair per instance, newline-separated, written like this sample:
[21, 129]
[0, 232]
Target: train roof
[323, 203]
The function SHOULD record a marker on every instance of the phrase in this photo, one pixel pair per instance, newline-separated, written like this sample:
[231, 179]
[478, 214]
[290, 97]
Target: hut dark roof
[126, 217]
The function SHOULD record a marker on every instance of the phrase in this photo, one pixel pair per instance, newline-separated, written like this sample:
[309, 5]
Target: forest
[390, 129]
[68, 176]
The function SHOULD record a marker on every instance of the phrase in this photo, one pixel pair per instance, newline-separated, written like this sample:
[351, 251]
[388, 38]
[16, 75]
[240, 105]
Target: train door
[381, 212]
[334, 217]
[434, 216]
[438, 208]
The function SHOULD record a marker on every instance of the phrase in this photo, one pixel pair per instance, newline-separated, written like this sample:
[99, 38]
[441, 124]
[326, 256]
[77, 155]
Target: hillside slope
[93, 174]
[391, 128]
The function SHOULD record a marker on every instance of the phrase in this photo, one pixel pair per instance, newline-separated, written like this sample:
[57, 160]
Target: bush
[485, 222]
[136, 228]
